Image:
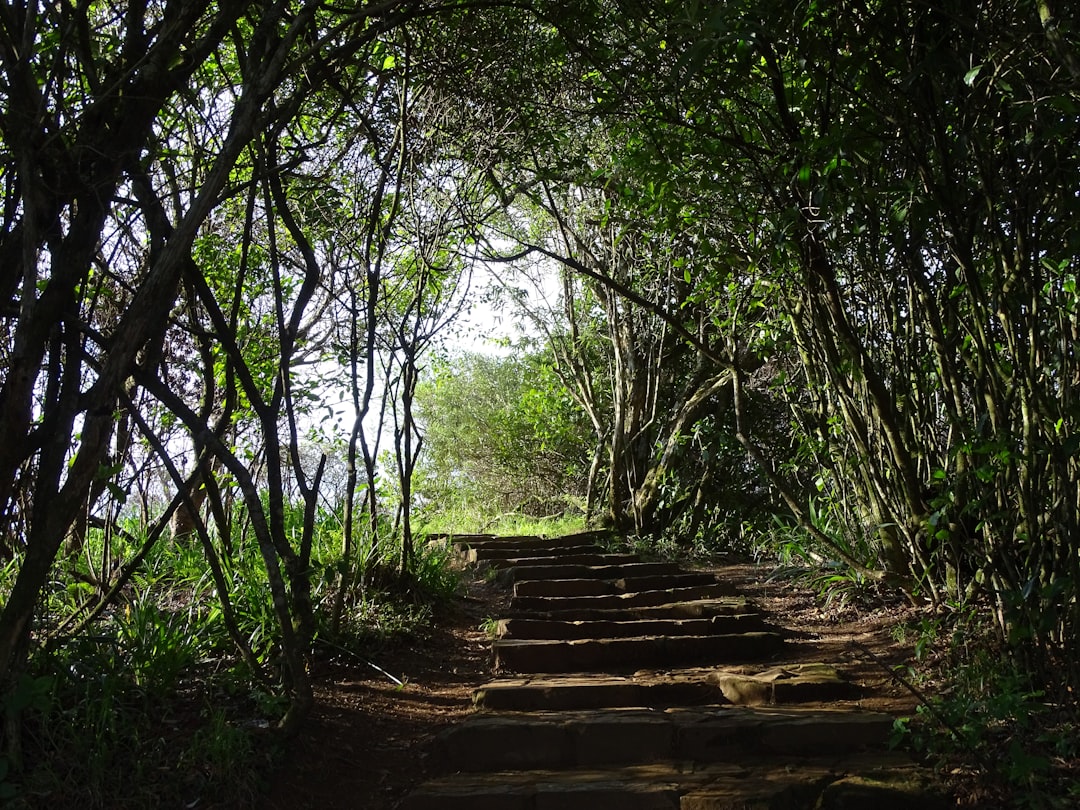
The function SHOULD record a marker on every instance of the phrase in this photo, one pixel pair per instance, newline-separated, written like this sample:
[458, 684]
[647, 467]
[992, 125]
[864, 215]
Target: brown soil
[859, 632]
[366, 744]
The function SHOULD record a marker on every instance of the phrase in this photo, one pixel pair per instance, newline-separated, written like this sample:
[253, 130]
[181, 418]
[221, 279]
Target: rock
[793, 683]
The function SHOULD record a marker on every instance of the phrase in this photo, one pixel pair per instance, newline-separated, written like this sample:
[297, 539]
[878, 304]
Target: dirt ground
[365, 747]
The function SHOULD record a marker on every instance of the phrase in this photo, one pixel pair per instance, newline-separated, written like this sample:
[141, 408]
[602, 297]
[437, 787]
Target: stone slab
[688, 609]
[728, 733]
[526, 694]
[593, 692]
[568, 557]
[795, 683]
[497, 555]
[553, 629]
[782, 789]
[557, 796]
[852, 783]
[659, 582]
[596, 586]
[565, 587]
[558, 571]
[499, 742]
[641, 787]
[598, 655]
[624, 600]
[573, 739]
[604, 738]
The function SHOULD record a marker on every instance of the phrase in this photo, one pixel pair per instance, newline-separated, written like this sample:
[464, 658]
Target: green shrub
[989, 720]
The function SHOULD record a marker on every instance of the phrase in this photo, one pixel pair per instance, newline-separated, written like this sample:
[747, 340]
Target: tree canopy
[815, 262]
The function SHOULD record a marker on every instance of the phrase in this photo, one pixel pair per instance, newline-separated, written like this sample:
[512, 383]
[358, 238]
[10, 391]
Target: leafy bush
[987, 724]
[501, 436]
[151, 702]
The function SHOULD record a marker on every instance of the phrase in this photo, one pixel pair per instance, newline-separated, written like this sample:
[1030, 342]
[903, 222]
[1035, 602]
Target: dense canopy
[812, 273]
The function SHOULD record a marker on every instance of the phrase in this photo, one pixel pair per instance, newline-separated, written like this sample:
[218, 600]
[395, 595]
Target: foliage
[501, 437]
[103, 738]
[154, 700]
[489, 627]
[467, 521]
[815, 261]
[859, 212]
[990, 720]
[802, 556]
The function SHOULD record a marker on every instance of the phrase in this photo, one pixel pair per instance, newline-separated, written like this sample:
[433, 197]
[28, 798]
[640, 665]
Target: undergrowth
[986, 721]
[471, 521]
[151, 705]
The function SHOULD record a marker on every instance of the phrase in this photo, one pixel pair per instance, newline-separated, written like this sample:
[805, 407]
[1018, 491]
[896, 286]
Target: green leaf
[972, 75]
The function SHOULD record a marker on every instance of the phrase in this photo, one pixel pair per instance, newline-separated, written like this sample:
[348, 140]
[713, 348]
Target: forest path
[648, 686]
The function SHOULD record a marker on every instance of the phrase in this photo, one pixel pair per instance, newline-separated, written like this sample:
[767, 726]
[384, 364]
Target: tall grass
[470, 521]
[151, 703]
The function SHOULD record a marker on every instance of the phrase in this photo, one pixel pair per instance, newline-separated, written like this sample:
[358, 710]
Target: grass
[1005, 743]
[151, 704]
[468, 521]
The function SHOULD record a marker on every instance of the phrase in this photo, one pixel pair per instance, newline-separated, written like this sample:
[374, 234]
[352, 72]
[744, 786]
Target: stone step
[658, 737]
[499, 554]
[443, 538]
[594, 586]
[556, 693]
[584, 739]
[808, 682]
[607, 654]
[875, 780]
[620, 600]
[555, 570]
[689, 609]
[565, 630]
[565, 587]
[645, 787]
[789, 684]
[564, 558]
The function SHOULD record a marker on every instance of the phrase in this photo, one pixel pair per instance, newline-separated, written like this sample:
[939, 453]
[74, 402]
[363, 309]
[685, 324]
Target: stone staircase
[642, 686]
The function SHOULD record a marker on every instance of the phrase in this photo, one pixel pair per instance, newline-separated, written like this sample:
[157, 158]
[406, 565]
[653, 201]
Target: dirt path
[371, 741]
[367, 743]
